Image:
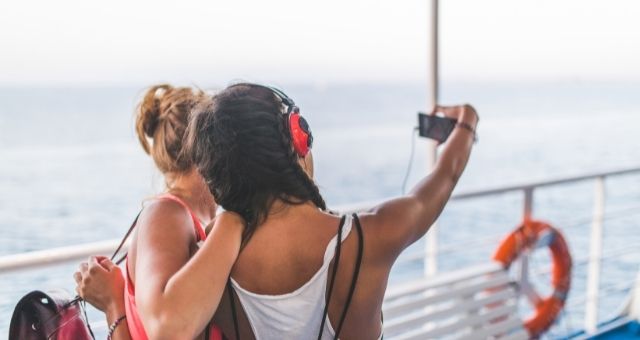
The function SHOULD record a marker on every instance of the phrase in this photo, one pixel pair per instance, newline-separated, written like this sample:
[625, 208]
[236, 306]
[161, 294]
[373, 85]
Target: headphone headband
[286, 100]
[301, 136]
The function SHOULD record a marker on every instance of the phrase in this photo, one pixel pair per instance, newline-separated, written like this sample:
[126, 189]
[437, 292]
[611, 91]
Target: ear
[306, 163]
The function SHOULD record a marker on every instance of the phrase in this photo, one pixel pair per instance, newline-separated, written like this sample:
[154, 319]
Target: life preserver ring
[527, 236]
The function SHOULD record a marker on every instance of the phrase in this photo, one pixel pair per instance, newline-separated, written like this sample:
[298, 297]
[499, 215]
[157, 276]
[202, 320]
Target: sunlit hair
[241, 145]
[161, 121]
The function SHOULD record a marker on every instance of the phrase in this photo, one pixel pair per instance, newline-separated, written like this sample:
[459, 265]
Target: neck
[190, 187]
[281, 209]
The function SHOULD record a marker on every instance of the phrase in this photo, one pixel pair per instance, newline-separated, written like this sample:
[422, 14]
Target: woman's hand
[462, 113]
[101, 283]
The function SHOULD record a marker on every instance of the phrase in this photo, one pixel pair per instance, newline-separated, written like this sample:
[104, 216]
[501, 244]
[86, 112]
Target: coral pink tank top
[136, 329]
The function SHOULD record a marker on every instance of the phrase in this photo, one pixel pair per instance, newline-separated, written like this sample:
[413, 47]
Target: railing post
[595, 256]
[431, 242]
[431, 252]
[524, 259]
[528, 202]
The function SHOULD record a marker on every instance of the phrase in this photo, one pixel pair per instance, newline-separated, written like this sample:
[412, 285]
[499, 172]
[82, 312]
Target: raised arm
[397, 223]
[179, 301]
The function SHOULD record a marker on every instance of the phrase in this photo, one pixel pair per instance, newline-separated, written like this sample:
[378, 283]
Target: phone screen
[435, 127]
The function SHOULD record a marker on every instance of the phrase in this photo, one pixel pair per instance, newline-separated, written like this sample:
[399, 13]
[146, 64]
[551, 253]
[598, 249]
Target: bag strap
[86, 318]
[336, 263]
[233, 309]
[124, 239]
[356, 273]
[82, 305]
[78, 299]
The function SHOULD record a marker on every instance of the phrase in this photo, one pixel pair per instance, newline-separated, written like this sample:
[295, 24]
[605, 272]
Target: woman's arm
[175, 298]
[100, 283]
[397, 223]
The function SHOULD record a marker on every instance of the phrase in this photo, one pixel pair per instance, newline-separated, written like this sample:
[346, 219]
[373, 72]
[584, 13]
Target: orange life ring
[526, 236]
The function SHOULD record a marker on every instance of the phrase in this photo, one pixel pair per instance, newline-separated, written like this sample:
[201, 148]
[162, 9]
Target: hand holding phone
[435, 127]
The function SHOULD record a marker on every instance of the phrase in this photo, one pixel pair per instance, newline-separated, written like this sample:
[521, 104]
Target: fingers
[77, 277]
[80, 278]
[94, 266]
[83, 268]
[107, 264]
[448, 111]
[457, 112]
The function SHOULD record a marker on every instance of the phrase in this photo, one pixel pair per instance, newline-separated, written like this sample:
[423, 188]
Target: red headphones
[301, 136]
[299, 130]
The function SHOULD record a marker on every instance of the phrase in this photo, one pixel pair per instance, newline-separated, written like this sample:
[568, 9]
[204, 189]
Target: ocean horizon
[72, 171]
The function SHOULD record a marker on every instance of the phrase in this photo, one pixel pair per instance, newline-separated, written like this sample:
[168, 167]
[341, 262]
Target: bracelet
[469, 128]
[114, 325]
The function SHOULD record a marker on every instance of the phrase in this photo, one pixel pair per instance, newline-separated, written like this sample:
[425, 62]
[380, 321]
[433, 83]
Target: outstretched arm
[397, 223]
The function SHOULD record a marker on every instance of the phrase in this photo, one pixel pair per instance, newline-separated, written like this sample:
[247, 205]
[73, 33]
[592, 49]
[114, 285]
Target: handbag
[55, 315]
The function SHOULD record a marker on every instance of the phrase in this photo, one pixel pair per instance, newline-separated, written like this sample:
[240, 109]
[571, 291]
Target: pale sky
[68, 42]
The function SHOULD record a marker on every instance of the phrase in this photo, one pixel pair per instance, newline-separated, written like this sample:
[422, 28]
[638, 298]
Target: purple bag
[54, 315]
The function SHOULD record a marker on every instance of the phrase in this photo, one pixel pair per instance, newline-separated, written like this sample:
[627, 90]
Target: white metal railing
[74, 253]
[48, 257]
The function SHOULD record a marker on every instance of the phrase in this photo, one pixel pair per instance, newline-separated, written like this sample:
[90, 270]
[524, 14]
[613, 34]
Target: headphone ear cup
[300, 134]
[305, 127]
[310, 140]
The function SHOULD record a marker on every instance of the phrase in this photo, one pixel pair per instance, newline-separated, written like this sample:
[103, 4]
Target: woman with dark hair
[303, 273]
[153, 288]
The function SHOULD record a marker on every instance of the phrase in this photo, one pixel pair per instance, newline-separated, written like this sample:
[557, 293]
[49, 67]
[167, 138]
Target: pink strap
[200, 234]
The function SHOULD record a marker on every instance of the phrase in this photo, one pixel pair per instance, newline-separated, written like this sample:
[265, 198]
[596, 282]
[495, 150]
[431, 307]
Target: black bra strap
[356, 273]
[233, 309]
[336, 262]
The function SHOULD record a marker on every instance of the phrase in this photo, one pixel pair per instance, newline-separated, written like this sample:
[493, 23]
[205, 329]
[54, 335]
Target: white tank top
[295, 315]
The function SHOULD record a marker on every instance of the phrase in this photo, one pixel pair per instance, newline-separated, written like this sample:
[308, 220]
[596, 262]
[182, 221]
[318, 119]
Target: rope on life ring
[527, 236]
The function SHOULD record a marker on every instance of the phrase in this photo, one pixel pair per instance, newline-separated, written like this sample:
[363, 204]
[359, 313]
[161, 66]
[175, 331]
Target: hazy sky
[141, 41]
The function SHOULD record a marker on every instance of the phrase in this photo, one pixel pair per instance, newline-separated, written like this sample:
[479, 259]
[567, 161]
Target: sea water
[71, 170]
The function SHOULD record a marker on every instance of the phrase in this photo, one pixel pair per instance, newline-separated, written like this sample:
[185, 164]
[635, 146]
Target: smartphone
[435, 127]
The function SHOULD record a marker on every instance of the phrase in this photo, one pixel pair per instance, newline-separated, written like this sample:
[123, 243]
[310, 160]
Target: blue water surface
[71, 170]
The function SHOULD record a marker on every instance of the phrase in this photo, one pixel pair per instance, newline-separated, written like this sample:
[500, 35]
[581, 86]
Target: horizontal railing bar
[47, 257]
[470, 322]
[611, 288]
[540, 184]
[78, 252]
[453, 247]
[445, 279]
[415, 301]
[419, 317]
[612, 253]
[355, 207]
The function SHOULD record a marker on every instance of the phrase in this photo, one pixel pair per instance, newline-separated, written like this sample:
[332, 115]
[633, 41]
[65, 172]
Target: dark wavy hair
[240, 143]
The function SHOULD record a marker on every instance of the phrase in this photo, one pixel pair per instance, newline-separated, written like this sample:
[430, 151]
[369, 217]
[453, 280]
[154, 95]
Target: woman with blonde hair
[138, 302]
